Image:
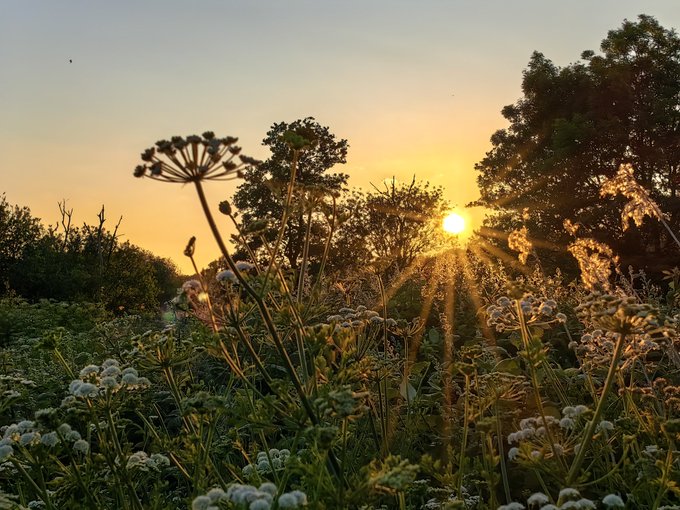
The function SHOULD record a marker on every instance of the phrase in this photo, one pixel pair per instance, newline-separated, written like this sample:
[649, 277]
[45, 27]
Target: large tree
[262, 195]
[390, 226]
[574, 127]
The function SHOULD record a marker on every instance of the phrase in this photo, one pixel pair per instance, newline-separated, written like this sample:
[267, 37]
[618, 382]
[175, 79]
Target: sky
[416, 87]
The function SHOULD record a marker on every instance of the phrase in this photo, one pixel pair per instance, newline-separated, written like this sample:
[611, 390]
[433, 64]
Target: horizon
[88, 87]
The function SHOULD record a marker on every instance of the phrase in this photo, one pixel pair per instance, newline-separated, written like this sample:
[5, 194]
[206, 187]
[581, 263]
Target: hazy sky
[415, 86]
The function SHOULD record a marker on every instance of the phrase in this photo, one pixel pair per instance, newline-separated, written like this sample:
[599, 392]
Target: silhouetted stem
[588, 436]
[266, 317]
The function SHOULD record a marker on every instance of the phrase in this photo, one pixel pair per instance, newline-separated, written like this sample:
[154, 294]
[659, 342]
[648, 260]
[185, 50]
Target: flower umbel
[193, 159]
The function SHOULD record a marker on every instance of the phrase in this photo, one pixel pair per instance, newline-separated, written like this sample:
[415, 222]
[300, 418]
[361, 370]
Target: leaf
[417, 368]
[407, 391]
[508, 366]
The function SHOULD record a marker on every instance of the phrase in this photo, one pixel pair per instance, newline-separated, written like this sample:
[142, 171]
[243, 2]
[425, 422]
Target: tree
[261, 196]
[574, 127]
[392, 226]
[18, 230]
[87, 263]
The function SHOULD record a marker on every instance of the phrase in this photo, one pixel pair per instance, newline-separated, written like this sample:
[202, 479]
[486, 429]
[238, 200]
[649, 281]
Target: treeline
[87, 263]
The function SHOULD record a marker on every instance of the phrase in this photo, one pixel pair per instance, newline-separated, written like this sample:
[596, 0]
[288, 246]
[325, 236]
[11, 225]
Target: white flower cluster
[95, 380]
[504, 315]
[26, 434]
[250, 498]
[533, 438]
[596, 348]
[279, 458]
[11, 387]
[358, 318]
[229, 276]
[569, 499]
[140, 461]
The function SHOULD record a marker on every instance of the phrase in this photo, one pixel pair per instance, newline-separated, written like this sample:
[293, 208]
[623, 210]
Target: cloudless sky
[416, 87]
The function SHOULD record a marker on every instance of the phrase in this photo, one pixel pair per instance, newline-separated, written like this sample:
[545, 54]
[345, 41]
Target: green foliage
[261, 197]
[575, 125]
[18, 231]
[269, 390]
[84, 264]
[389, 227]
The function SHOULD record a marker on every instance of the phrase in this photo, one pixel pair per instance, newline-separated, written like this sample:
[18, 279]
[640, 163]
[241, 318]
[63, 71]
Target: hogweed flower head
[639, 204]
[194, 159]
[623, 315]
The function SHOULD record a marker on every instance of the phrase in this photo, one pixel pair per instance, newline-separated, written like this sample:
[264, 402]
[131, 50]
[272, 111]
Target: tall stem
[266, 317]
[588, 435]
[527, 340]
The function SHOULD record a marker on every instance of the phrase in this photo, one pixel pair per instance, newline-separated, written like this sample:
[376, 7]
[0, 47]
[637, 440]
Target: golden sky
[415, 87]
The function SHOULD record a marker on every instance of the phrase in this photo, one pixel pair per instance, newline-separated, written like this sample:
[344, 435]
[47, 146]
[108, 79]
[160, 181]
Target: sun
[454, 223]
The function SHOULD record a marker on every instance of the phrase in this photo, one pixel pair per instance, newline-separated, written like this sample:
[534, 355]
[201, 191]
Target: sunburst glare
[454, 223]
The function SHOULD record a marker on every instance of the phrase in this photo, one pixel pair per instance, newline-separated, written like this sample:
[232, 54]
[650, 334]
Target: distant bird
[70, 61]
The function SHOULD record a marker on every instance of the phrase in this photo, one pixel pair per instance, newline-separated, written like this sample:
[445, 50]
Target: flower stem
[588, 436]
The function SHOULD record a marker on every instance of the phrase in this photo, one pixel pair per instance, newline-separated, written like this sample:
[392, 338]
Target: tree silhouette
[574, 127]
[261, 196]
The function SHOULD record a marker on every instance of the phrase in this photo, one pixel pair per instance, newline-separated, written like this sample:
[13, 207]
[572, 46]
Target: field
[456, 382]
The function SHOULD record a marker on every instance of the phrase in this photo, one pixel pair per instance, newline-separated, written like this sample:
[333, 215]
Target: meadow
[460, 381]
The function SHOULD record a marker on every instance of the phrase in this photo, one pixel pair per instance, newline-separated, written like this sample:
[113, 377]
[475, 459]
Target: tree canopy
[86, 263]
[261, 196]
[391, 226]
[574, 127]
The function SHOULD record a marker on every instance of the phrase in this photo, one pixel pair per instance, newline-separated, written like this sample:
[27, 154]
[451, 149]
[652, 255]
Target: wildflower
[25, 425]
[287, 501]
[6, 451]
[512, 506]
[193, 159]
[300, 496]
[87, 390]
[538, 498]
[192, 287]
[567, 423]
[227, 276]
[81, 446]
[569, 494]
[513, 453]
[605, 425]
[586, 504]
[89, 370]
[130, 370]
[51, 439]
[109, 383]
[110, 371]
[618, 314]
[243, 265]
[613, 501]
[519, 242]
[263, 504]
[269, 488]
[570, 227]
[639, 202]
[201, 503]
